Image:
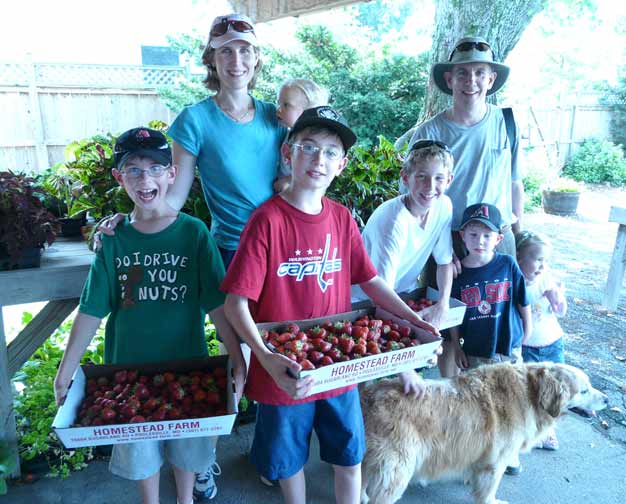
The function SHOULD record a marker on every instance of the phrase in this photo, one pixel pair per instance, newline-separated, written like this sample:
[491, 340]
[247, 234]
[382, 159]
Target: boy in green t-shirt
[156, 281]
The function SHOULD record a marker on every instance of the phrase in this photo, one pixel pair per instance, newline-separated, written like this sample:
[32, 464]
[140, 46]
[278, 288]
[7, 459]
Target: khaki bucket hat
[470, 50]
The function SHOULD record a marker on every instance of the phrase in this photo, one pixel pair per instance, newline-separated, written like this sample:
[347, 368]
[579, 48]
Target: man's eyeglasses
[423, 144]
[330, 153]
[154, 171]
[239, 26]
[468, 46]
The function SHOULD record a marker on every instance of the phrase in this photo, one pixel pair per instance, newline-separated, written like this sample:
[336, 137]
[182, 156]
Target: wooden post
[7, 416]
[35, 113]
[572, 126]
[618, 261]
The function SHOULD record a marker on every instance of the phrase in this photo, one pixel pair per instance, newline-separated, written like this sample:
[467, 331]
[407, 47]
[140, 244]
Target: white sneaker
[204, 488]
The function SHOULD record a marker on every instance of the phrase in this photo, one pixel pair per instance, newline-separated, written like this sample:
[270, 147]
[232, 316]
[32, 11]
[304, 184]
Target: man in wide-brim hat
[486, 167]
[470, 50]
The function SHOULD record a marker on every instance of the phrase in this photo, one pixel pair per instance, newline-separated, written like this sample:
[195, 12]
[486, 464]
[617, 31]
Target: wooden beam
[267, 10]
[37, 331]
[8, 433]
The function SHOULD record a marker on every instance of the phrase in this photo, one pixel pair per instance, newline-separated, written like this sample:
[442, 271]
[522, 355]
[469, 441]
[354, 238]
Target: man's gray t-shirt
[483, 170]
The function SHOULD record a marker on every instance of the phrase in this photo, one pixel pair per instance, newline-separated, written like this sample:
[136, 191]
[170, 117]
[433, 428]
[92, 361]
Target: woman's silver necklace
[235, 117]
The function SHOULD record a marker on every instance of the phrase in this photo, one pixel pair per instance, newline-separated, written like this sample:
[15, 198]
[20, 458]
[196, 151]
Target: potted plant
[561, 197]
[25, 224]
[63, 199]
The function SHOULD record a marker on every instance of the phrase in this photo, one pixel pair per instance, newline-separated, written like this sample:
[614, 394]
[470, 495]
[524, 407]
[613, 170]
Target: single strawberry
[121, 377]
[158, 380]
[306, 364]
[212, 397]
[293, 328]
[176, 391]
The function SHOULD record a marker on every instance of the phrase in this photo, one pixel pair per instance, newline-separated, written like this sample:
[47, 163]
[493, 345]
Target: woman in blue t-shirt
[233, 138]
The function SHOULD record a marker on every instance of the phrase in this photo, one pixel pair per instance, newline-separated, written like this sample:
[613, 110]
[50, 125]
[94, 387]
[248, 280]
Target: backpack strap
[509, 122]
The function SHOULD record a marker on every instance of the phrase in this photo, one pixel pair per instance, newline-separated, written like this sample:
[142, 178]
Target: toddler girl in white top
[547, 300]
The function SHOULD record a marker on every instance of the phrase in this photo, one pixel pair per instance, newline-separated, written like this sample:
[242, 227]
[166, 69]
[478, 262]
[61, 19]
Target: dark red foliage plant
[24, 222]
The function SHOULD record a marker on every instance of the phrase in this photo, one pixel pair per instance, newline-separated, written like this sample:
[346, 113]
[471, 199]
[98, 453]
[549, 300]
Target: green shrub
[371, 178]
[532, 191]
[597, 161]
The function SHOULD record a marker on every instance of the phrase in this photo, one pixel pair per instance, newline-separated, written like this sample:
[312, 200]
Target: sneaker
[204, 488]
[268, 482]
[513, 470]
[551, 443]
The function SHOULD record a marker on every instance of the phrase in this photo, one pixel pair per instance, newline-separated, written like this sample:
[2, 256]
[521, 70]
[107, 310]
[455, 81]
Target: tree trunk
[500, 22]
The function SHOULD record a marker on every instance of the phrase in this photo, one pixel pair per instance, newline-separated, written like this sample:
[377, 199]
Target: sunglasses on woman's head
[423, 144]
[468, 46]
[239, 26]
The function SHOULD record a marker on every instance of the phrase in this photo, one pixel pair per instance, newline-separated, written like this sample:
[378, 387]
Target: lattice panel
[14, 74]
[105, 76]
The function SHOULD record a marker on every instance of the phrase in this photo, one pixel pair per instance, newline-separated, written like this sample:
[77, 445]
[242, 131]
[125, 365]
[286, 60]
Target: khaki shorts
[138, 461]
[514, 358]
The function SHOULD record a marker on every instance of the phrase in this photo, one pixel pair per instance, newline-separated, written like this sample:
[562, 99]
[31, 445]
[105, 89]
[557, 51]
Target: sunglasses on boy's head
[468, 46]
[423, 144]
[239, 26]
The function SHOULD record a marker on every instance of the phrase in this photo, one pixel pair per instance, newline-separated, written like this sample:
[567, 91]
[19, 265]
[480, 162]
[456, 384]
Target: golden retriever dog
[465, 427]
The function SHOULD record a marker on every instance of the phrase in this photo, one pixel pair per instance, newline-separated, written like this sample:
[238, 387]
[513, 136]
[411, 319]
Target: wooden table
[59, 280]
[616, 270]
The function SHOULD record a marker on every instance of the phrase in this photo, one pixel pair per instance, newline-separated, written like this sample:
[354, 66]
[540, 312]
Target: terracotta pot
[560, 202]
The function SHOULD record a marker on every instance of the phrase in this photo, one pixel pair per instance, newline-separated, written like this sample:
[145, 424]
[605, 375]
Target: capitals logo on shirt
[312, 262]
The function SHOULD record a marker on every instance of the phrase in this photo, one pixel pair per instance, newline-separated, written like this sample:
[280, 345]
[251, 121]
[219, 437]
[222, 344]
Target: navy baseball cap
[485, 213]
[327, 117]
[142, 142]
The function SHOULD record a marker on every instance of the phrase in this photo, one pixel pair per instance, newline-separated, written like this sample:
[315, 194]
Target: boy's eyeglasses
[468, 46]
[239, 26]
[423, 144]
[154, 171]
[330, 153]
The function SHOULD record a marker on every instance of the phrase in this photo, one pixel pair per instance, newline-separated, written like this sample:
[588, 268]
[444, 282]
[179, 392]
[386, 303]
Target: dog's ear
[552, 393]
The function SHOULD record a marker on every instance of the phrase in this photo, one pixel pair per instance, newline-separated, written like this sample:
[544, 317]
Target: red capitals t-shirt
[292, 266]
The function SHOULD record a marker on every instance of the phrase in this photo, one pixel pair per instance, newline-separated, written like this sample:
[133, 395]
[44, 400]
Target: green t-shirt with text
[156, 289]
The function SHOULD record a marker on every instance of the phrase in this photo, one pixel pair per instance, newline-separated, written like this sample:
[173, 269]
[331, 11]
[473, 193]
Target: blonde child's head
[533, 251]
[297, 95]
[431, 150]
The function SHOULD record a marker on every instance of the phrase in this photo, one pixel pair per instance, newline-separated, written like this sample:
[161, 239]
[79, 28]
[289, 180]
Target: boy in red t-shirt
[298, 256]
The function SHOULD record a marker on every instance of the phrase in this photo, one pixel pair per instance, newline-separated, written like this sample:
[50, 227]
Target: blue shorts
[549, 353]
[283, 434]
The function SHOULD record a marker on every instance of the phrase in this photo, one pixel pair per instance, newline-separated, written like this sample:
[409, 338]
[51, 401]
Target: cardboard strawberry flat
[74, 437]
[341, 374]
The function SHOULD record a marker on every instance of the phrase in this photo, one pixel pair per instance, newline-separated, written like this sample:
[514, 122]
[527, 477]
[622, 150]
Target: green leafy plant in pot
[25, 224]
[88, 165]
[64, 202]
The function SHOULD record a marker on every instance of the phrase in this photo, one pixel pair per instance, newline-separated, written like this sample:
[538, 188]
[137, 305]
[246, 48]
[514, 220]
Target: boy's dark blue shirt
[492, 323]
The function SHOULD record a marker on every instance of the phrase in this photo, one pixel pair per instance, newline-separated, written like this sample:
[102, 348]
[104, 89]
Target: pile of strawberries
[131, 397]
[339, 341]
[419, 304]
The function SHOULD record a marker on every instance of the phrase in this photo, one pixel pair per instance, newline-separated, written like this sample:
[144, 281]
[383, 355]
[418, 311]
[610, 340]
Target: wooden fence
[46, 106]
[555, 133]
